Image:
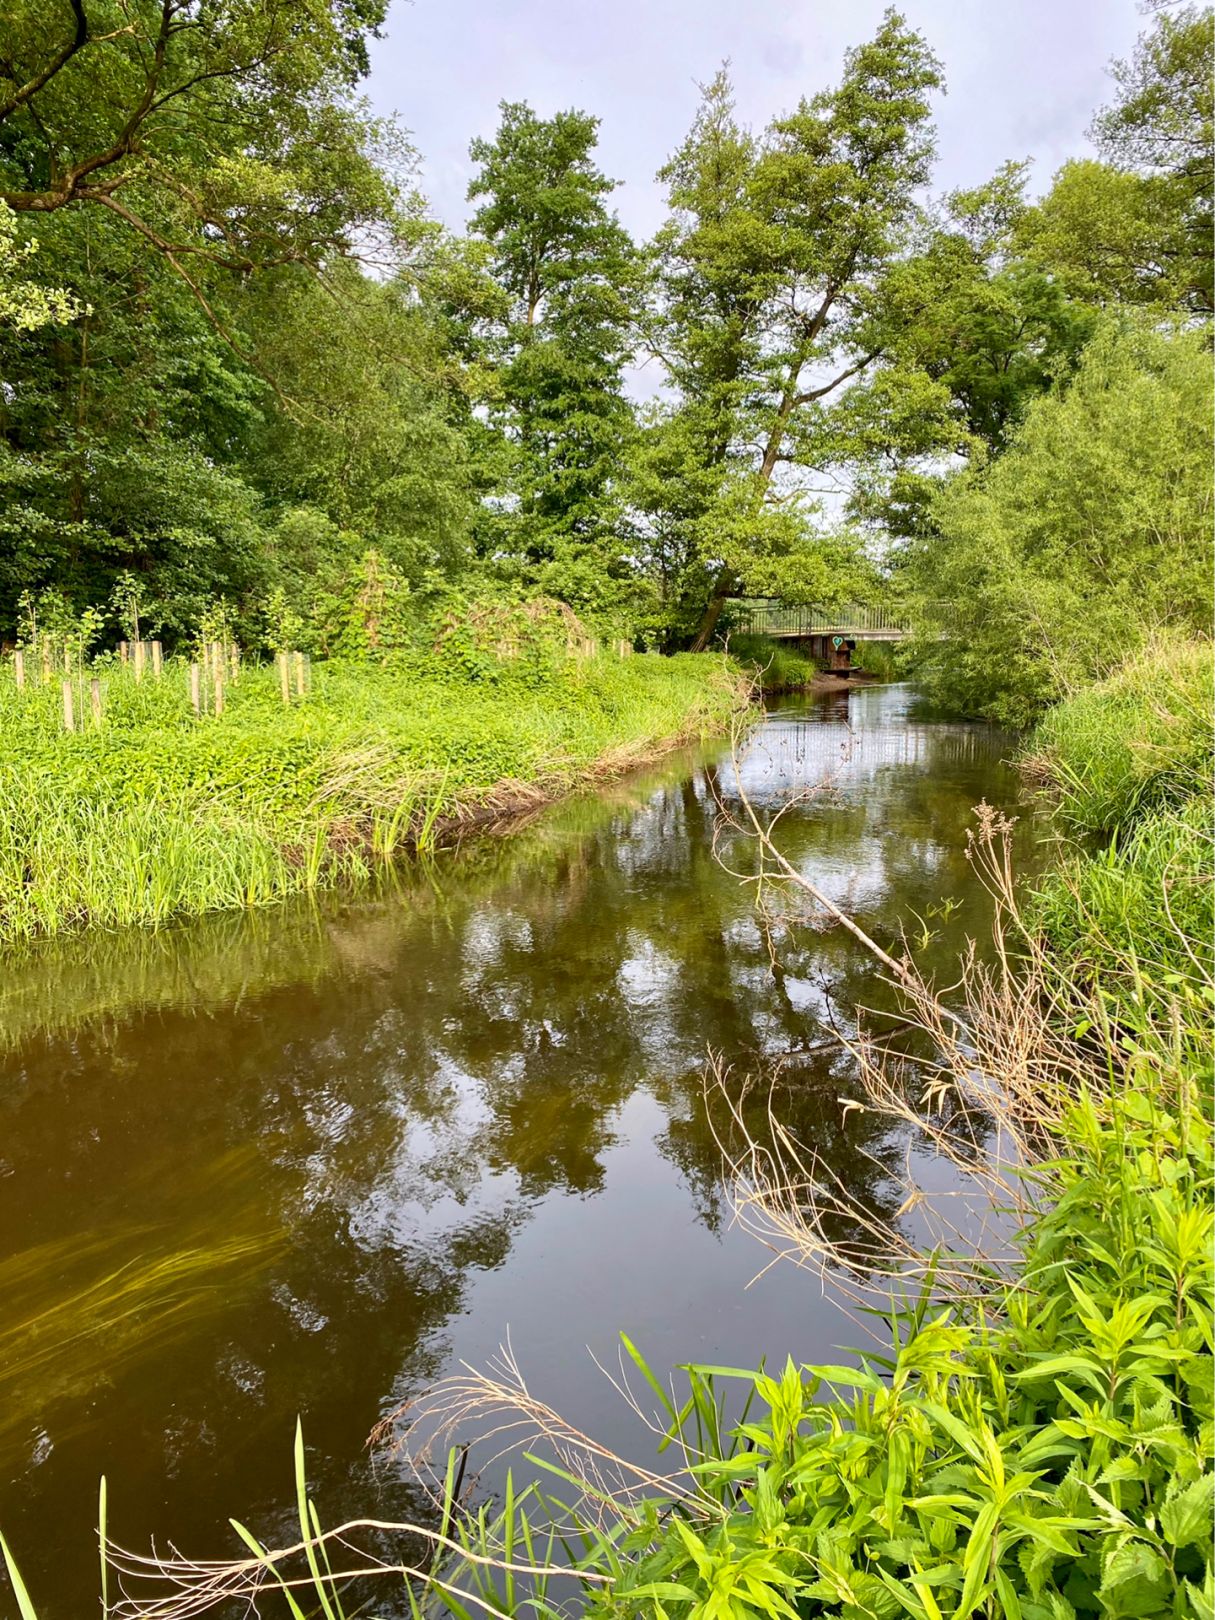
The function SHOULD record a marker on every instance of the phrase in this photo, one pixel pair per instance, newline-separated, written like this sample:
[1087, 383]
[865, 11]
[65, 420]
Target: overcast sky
[1023, 77]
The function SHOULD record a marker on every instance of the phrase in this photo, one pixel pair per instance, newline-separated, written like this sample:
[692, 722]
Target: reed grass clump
[161, 812]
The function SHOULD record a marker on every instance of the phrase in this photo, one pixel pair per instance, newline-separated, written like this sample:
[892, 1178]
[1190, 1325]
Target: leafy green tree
[374, 439]
[1089, 536]
[119, 432]
[1136, 227]
[569, 275]
[972, 332]
[770, 270]
[201, 179]
[26, 304]
[224, 135]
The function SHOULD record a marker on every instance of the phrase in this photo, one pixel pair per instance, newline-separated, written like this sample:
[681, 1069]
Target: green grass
[162, 813]
[778, 666]
[1136, 741]
[1131, 763]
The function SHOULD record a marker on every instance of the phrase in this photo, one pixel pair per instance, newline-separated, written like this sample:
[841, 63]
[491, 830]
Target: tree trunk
[722, 588]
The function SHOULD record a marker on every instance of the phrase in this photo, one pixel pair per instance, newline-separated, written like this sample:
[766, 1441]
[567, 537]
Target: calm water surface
[306, 1161]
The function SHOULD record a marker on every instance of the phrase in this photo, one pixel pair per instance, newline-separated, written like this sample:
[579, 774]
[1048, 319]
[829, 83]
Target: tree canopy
[239, 358]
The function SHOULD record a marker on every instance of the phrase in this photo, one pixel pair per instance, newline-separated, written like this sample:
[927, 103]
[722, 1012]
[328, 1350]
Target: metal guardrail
[886, 622]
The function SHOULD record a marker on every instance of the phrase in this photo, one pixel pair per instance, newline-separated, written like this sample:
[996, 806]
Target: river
[305, 1161]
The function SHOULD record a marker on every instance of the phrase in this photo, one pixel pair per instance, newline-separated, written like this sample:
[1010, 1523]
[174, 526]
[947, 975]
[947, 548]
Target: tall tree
[1136, 226]
[971, 332]
[202, 181]
[771, 267]
[222, 134]
[569, 274]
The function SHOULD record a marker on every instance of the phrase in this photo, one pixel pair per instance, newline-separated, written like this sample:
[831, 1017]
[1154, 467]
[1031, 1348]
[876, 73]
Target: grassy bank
[1129, 761]
[161, 812]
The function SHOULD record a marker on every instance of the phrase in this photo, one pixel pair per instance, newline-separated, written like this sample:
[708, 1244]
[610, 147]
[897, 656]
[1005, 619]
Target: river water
[305, 1161]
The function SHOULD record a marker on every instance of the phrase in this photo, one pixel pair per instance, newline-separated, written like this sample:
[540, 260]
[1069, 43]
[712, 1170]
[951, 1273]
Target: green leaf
[25, 1606]
[1132, 1579]
[1186, 1515]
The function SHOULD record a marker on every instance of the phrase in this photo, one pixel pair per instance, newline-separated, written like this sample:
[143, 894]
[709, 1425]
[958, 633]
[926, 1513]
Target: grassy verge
[162, 813]
[1130, 763]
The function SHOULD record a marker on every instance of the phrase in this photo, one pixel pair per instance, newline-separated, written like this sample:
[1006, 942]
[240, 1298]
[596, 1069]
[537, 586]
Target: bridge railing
[776, 619]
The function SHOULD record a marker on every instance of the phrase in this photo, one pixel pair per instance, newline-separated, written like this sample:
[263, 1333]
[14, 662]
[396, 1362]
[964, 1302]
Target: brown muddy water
[304, 1161]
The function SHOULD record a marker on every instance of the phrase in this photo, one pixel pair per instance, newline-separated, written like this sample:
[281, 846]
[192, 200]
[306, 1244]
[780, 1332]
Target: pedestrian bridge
[852, 622]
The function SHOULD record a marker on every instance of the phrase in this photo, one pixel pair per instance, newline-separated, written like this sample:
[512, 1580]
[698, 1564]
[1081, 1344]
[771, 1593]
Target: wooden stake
[95, 700]
[139, 647]
[195, 688]
[157, 658]
[46, 664]
[19, 669]
[69, 709]
[284, 677]
[124, 650]
[219, 688]
[298, 659]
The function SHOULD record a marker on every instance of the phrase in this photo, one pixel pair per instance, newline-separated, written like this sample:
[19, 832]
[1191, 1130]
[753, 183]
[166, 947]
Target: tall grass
[1130, 762]
[161, 813]
[777, 665]
[1140, 740]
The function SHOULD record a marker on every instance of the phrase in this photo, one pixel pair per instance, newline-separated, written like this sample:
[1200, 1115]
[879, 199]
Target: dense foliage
[237, 355]
[1087, 537]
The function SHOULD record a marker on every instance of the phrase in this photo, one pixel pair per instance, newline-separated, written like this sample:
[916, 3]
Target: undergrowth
[1130, 762]
[778, 666]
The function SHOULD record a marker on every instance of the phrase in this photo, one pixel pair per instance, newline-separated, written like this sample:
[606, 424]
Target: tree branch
[61, 58]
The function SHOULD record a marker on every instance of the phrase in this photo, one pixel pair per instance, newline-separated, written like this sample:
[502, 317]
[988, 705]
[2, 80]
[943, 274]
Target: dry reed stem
[510, 1418]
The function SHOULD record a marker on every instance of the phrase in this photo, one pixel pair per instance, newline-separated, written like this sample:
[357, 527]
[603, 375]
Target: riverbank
[161, 812]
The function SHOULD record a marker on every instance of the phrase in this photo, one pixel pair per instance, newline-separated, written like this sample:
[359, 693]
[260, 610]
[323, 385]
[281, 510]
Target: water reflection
[326, 1152]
